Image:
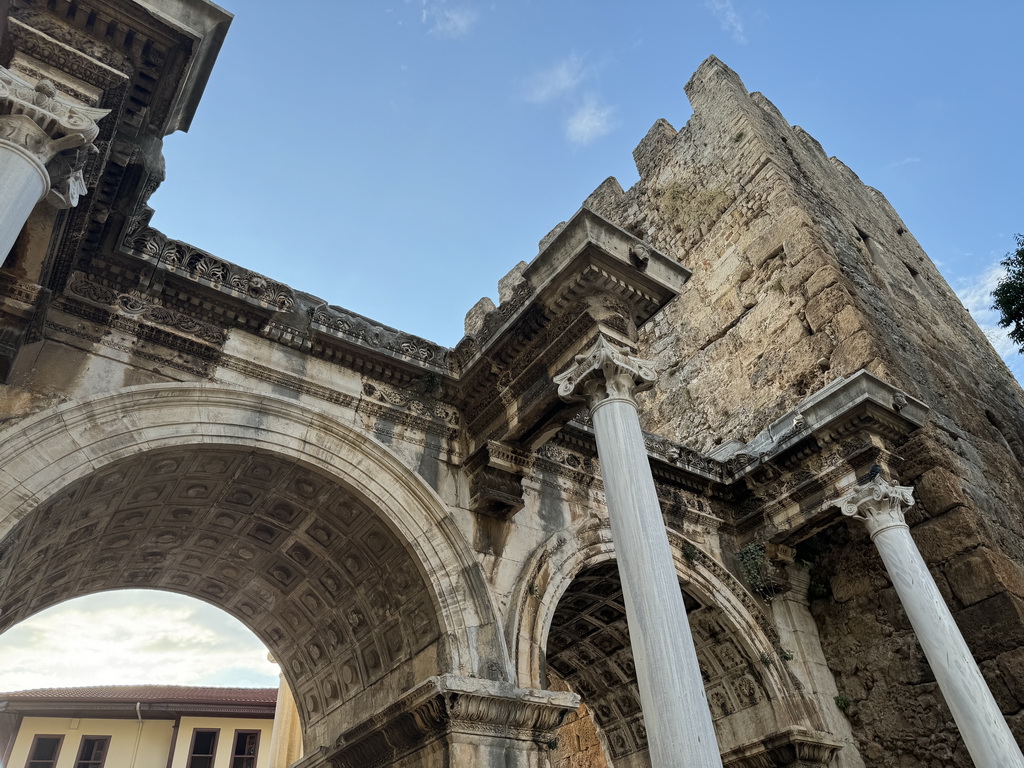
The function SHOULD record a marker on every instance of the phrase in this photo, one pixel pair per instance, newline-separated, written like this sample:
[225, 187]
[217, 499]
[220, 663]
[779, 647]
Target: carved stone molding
[449, 704]
[141, 307]
[496, 479]
[338, 321]
[199, 265]
[793, 748]
[53, 131]
[879, 504]
[604, 373]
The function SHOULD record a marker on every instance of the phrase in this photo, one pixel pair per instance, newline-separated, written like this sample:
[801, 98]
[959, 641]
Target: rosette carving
[604, 372]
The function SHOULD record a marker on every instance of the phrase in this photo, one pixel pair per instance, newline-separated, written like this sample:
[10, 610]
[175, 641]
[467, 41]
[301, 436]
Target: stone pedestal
[676, 714]
[880, 506]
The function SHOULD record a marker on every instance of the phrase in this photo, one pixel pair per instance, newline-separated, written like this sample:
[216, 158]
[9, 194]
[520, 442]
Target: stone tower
[802, 274]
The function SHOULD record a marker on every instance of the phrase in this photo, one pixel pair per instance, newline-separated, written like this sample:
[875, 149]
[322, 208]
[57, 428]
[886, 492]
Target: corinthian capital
[605, 373]
[53, 132]
[879, 504]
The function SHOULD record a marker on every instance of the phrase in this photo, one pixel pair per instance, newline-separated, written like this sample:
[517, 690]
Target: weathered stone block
[1011, 666]
[823, 278]
[940, 490]
[943, 537]
[982, 573]
[993, 626]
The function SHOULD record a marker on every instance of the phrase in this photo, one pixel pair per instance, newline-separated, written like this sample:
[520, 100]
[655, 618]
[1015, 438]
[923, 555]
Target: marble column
[676, 714]
[44, 141]
[880, 506]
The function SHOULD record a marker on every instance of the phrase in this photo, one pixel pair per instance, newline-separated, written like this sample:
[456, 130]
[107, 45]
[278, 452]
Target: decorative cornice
[605, 373]
[191, 262]
[879, 504]
[794, 746]
[336, 321]
[449, 704]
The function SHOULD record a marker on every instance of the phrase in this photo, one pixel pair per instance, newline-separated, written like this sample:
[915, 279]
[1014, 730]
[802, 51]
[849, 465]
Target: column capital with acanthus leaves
[605, 373]
[879, 504]
[54, 133]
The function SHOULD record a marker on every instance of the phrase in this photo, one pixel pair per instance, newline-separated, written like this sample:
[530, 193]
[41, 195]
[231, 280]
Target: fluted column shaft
[983, 728]
[676, 715]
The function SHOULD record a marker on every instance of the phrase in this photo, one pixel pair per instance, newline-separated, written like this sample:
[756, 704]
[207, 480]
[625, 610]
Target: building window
[44, 751]
[93, 752]
[247, 744]
[204, 747]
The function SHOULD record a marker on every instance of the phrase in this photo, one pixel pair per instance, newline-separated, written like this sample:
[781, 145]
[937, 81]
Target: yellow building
[137, 726]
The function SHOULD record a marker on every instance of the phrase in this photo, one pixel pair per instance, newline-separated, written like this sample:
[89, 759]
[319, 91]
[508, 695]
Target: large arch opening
[133, 637]
[320, 577]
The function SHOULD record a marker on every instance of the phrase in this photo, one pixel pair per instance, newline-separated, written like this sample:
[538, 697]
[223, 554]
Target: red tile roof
[166, 694]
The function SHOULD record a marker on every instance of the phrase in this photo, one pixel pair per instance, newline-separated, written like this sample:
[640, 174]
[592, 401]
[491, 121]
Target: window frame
[56, 753]
[93, 763]
[234, 745]
[213, 749]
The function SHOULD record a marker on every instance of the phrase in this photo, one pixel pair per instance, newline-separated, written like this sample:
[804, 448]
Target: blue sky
[398, 158]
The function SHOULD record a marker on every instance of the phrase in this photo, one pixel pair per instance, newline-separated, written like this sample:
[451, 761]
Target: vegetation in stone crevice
[757, 570]
[689, 552]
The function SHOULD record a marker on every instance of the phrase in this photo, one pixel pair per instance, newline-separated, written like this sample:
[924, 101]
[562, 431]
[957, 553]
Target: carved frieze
[140, 306]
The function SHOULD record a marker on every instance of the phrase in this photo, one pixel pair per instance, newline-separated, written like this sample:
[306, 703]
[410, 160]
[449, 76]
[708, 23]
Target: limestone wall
[802, 274]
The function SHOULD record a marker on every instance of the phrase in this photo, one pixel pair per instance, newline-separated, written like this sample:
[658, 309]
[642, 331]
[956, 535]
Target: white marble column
[44, 140]
[676, 714]
[985, 733]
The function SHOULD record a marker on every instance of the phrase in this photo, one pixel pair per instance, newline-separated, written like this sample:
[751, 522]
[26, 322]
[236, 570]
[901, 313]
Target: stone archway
[336, 555]
[572, 628]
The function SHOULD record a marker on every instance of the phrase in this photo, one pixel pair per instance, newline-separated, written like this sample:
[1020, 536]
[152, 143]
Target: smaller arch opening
[588, 651]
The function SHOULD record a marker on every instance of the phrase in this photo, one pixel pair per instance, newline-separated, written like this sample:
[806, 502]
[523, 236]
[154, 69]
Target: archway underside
[588, 648]
[314, 572]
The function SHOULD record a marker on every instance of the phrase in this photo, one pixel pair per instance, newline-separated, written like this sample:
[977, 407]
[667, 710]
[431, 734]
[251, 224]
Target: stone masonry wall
[801, 275]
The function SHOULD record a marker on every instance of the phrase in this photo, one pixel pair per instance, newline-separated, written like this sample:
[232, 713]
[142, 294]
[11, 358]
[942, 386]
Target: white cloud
[975, 293]
[451, 23]
[728, 18]
[904, 161]
[132, 637]
[555, 81]
[589, 122]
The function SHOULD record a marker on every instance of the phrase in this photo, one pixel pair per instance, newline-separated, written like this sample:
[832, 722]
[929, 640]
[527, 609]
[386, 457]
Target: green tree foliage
[1009, 294]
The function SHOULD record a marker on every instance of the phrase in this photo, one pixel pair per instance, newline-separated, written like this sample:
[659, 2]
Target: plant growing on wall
[757, 570]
